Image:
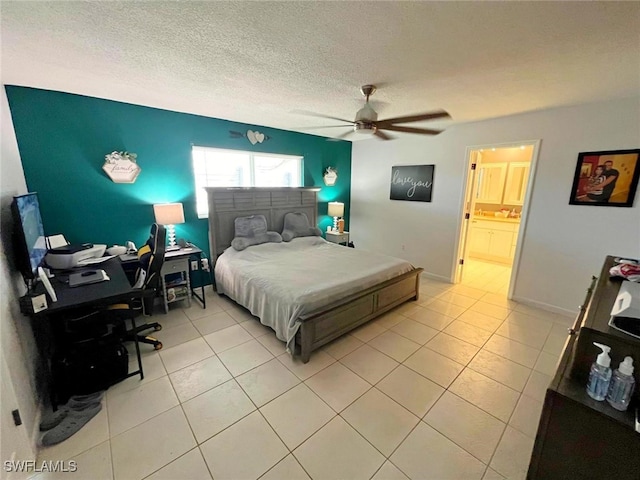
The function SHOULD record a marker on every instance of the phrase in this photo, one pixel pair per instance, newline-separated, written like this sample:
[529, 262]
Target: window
[215, 167]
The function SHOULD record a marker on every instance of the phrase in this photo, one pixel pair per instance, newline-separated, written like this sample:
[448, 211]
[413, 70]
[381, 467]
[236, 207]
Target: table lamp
[336, 209]
[169, 214]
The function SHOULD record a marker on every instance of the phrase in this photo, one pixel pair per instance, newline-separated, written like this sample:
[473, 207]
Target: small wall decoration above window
[330, 176]
[412, 183]
[607, 179]
[121, 167]
[253, 137]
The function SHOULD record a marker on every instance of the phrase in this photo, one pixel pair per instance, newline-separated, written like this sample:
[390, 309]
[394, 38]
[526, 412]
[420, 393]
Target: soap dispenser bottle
[622, 384]
[600, 374]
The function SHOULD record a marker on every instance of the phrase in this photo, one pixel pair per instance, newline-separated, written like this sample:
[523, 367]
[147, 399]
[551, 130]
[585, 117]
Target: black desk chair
[148, 276]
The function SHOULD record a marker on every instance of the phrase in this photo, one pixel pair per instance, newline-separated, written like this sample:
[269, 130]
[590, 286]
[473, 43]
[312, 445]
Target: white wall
[563, 244]
[18, 353]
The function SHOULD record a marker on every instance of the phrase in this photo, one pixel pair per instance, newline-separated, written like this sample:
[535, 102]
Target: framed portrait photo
[608, 179]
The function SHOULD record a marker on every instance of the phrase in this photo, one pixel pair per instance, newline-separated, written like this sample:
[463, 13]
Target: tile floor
[487, 276]
[448, 387]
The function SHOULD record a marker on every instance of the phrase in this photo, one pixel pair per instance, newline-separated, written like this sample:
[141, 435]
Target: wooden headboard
[227, 203]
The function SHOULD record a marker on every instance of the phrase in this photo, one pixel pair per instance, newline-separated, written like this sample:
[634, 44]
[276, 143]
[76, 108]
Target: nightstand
[178, 284]
[335, 237]
[180, 265]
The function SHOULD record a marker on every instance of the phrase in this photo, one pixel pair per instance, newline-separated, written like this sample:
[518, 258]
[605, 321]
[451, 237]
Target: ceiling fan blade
[320, 115]
[344, 135]
[382, 136]
[324, 126]
[424, 131]
[414, 118]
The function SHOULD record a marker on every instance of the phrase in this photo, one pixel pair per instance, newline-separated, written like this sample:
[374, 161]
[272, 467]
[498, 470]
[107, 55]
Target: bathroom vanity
[493, 238]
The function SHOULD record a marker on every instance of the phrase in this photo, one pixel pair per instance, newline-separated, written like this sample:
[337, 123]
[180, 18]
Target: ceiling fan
[366, 120]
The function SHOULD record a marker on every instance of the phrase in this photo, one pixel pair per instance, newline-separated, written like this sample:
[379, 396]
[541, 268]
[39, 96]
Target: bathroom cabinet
[515, 187]
[577, 436]
[491, 178]
[502, 183]
[493, 239]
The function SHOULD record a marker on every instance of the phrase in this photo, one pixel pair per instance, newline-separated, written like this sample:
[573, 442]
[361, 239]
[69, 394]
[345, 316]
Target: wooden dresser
[578, 437]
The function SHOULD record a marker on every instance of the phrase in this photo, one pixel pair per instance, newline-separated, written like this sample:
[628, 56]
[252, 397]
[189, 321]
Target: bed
[308, 290]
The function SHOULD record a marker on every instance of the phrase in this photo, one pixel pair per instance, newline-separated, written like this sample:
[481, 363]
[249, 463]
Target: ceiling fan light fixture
[365, 127]
[366, 114]
[367, 122]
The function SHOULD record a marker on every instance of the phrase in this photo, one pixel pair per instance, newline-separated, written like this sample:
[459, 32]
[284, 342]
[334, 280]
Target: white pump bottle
[600, 374]
[622, 385]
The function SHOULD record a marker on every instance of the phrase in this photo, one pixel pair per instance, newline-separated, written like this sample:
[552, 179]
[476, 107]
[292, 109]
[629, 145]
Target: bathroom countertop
[496, 219]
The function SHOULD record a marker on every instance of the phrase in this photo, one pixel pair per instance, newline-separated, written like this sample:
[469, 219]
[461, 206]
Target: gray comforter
[279, 282]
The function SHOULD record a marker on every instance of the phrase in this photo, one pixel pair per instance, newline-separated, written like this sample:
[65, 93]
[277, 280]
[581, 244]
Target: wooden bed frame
[328, 323]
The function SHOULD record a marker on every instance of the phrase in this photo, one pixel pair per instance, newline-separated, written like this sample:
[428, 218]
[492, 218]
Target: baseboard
[433, 276]
[34, 439]
[545, 306]
[35, 431]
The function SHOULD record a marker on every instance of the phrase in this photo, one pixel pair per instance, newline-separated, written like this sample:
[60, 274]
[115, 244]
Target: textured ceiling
[258, 62]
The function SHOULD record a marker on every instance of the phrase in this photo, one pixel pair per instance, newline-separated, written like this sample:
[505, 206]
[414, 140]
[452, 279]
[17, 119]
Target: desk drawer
[174, 266]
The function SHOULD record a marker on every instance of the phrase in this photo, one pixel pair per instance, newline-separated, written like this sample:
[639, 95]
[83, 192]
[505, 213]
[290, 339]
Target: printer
[69, 256]
[625, 314]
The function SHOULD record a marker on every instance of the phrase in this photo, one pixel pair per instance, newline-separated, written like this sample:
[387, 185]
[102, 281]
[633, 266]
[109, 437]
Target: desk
[47, 323]
[92, 294]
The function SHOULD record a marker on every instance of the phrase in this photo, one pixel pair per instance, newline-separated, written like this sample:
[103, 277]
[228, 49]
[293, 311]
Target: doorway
[496, 197]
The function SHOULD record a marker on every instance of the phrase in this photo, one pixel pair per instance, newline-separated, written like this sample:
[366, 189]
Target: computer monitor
[28, 231]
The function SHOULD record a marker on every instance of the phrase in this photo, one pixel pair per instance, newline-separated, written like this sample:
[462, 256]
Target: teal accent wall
[63, 139]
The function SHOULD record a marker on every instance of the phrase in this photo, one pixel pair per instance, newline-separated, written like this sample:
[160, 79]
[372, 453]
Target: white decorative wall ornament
[330, 176]
[121, 167]
[253, 136]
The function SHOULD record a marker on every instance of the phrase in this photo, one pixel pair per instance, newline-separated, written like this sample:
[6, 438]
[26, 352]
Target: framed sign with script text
[412, 183]
[122, 171]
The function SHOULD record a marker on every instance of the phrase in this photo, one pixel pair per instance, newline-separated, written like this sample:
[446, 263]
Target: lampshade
[336, 209]
[168, 213]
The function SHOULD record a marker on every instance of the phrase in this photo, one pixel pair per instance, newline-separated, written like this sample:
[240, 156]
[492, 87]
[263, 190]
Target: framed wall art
[121, 167]
[608, 178]
[412, 182]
